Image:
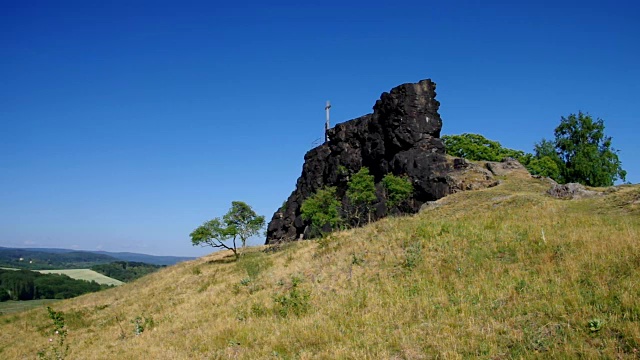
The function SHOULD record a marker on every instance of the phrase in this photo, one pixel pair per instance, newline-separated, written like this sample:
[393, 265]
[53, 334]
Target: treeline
[40, 260]
[580, 152]
[126, 271]
[31, 285]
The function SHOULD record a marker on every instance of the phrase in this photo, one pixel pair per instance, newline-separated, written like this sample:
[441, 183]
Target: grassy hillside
[500, 273]
[8, 307]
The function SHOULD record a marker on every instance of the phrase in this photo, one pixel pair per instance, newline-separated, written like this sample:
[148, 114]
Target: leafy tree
[19, 284]
[213, 233]
[478, 148]
[322, 209]
[398, 189]
[4, 294]
[584, 152]
[546, 148]
[361, 193]
[545, 166]
[240, 222]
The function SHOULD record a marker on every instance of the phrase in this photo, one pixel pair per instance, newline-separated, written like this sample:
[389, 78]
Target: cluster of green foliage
[326, 212]
[579, 153]
[477, 147]
[142, 323]
[31, 285]
[322, 209]
[361, 194]
[126, 271]
[583, 152]
[40, 260]
[239, 223]
[398, 189]
[295, 301]
[543, 163]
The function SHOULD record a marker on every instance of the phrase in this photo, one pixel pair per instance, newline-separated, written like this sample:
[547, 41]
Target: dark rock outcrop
[401, 136]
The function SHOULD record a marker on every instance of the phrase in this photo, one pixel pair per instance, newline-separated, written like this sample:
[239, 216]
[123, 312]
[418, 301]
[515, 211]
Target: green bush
[322, 209]
[57, 348]
[398, 189]
[361, 193]
[295, 301]
[478, 148]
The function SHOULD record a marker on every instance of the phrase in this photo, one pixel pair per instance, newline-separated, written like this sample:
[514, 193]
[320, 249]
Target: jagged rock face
[401, 136]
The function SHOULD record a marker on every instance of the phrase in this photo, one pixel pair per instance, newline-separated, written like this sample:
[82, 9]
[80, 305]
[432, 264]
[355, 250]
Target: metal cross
[326, 125]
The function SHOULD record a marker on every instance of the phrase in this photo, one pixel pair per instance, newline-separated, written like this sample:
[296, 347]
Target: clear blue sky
[126, 124]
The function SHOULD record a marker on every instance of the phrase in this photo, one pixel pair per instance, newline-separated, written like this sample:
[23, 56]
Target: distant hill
[52, 258]
[40, 259]
[149, 259]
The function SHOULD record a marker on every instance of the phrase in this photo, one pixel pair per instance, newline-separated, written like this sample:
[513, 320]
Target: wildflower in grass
[56, 350]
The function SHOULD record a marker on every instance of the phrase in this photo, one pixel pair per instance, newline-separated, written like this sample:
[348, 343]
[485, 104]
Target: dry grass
[9, 307]
[500, 273]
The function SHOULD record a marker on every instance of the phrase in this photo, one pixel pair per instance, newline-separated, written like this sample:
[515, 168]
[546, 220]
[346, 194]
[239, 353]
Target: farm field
[9, 307]
[84, 274]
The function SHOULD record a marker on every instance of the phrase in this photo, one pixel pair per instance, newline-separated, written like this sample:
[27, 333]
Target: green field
[84, 274]
[8, 307]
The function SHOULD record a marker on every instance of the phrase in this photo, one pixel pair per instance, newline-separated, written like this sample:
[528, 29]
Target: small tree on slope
[361, 193]
[583, 152]
[240, 222]
[322, 209]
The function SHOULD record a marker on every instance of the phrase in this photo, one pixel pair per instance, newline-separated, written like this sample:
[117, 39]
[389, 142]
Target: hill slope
[505, 272]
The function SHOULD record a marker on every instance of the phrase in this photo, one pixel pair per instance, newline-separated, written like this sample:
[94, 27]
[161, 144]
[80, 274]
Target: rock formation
[572, 191]
[401, 136]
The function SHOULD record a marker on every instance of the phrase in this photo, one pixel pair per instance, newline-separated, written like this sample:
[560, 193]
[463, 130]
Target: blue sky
[126, 124]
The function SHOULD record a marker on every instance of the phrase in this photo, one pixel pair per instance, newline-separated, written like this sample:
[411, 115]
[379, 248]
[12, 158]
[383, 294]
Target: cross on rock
[326, 125]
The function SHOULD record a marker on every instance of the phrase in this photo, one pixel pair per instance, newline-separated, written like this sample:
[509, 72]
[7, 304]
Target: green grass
[84, 274]
[9, 307]
[500, 273]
